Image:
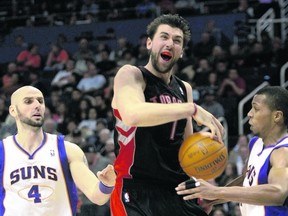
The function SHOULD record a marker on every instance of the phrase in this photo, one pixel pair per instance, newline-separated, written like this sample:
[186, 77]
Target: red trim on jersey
[116, 202]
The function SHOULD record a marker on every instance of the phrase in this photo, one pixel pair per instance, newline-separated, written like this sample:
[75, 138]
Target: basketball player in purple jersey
[153, 112]
[39, 171]
[262, 190]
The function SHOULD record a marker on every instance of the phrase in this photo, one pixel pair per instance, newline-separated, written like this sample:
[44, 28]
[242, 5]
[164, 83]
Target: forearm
[150, 114]
[258, 195]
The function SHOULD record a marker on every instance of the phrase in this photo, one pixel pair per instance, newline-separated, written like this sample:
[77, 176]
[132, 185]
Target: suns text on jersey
[33, 172]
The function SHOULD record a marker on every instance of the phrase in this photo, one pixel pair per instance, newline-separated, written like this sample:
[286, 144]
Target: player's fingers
[192, 183]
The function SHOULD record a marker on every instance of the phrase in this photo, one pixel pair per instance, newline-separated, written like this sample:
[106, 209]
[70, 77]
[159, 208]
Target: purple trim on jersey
[71, 187]
[2, 191]
[252, 142]
[276, 210]
[31, 155]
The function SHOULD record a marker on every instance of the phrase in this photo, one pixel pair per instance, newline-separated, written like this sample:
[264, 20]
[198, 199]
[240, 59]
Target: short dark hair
[277, 99]
[173, 20]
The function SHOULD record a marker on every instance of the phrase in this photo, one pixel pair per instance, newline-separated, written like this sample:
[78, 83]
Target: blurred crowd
[78, 87]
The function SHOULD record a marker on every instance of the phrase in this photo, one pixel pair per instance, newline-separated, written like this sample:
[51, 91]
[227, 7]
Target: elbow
[100, 202]
[131, 120]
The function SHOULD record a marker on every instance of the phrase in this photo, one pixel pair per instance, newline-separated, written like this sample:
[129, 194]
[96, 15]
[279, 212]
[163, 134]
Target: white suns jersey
[257, 173]
[38, 184]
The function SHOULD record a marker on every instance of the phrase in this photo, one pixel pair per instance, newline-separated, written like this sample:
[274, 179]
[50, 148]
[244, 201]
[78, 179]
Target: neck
[30, 139]
[274, 137]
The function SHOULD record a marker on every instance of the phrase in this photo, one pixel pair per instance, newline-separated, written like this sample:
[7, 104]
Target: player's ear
[278, 116]
[149, 43]
[12, 111]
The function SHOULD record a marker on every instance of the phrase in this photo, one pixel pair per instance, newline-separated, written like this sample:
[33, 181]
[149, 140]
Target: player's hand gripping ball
[202, 157]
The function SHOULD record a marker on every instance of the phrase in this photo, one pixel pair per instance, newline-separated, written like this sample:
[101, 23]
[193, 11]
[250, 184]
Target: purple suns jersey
[38, 184]
[150, 154]
[257, 173]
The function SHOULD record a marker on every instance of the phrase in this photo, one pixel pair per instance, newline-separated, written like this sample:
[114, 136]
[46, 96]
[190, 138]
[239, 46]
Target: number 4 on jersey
[34, 193]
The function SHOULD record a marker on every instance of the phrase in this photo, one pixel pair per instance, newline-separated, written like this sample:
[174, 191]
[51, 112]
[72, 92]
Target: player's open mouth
[166, 56]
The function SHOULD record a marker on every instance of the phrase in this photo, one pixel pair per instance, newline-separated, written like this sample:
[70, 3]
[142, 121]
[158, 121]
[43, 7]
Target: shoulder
[73, 151]
[129, 72]
[125, 69]
[279, 157]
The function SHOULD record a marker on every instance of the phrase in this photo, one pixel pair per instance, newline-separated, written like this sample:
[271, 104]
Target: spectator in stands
[6, 74]
[278, 54]
[231, 90]
[50, 126]
[212, 84]
[101, 124]
[145, 9]
[104, 46]
[233, 85]
[202, 70]
[105, 64]
[210, 104]
[20, 41]
[3, 110]
[204, 47]
[34, 79]
[218, 54]
[126, 58]
[29, 59]
[11, 82]
[53, 100]
[91, 120]
[109, 146]
[71, 127]
[103, 136]
[101, 105]
[166, 6]
[83, 50]
[221, 68]
[142, 55]
[122, 45]
[56, 59]
[89, 6]
[257, 57]
[92, 80]
[63, 77]
[243, 7]
[230, 173]
[215, 32]
[238, 154]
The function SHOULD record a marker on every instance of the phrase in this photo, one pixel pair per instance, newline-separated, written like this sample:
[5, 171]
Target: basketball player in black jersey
[153, 112]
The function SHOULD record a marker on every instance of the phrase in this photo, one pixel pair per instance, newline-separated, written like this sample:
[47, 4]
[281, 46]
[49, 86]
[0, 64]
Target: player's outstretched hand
[107, 176]
[203, 117]
[200, 189]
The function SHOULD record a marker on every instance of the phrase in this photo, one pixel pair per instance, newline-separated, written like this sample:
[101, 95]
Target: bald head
[23, 92]
[27, 107]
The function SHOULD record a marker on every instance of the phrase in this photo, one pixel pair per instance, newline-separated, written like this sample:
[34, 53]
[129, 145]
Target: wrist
[105, 189]
[195, 110]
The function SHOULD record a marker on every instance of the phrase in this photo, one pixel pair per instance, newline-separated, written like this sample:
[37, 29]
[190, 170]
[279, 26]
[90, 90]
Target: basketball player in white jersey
[262, 190]
[39, 172]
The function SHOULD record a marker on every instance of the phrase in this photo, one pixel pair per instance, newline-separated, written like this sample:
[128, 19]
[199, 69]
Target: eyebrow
[177, 36]
[25, 98]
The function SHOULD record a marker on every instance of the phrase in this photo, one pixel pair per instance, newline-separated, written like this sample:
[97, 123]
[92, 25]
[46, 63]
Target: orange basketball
[202, 157]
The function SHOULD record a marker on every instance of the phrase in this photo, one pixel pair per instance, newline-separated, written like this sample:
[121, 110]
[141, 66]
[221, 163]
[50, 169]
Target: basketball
[202, 157]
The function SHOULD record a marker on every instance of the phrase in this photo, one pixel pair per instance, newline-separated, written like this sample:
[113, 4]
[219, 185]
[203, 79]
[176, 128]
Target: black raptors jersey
[150, 154]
